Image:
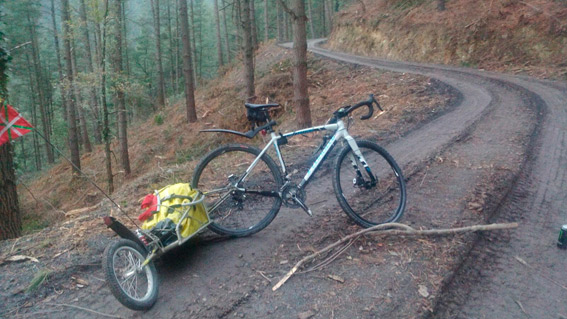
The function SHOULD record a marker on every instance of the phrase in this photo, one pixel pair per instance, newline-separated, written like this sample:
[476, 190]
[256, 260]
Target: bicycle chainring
[289, 191]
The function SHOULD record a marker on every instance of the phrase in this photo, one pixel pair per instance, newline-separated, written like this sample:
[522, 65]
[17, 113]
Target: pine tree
[300, 83]
[187, 63]
[71, 108]
[10, 221]
[118, 91]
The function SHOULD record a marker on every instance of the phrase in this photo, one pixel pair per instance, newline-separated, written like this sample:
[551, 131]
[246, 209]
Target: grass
[30, 225]
[40, 277]
[158, 119]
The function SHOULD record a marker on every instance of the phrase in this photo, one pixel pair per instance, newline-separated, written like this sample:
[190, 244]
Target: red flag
[12, 124]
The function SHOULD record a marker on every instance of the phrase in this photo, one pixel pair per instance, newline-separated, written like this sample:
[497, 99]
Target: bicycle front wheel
[240, 201]
[369, 201]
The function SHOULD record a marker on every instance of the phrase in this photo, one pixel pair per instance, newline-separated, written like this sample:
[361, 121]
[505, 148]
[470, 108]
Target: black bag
[257, 115]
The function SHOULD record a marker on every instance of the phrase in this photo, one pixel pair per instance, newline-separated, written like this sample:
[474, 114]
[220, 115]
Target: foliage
[39, 278]
[158, 119]
[137, 81]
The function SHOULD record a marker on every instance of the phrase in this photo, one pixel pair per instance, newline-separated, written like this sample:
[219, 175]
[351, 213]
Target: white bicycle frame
[340, 132]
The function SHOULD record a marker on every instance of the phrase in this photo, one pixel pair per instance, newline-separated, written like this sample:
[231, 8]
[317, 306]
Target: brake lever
[374, 101]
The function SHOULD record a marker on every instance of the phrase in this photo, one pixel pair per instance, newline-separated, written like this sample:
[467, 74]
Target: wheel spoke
[370, 206]
[134, 281]
[238, 203]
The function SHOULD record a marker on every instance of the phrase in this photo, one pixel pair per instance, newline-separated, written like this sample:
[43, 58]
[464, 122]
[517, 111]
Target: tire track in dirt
[492, 282]
[503, 286]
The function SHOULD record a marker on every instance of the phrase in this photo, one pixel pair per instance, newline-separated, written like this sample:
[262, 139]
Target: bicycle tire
[383, 203]
[242, 214]
[119, 260]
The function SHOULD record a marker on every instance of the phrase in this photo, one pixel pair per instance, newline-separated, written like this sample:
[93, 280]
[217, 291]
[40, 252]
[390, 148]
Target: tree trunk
[286, 27]
[90, 69]
[40, 88]
[187, 63]
[193, 43]
[119, 93]
[105, 122]
[178, 64]
[219, 43]
[125, 41]
[226, 42]
[160, 79]
[171, 46]
[238, 25]
[253, 28]
[300, 83]
[248, 49]
[279, 28]
[266, 22]
[82, 129]
[35, 144]
[328, 15]
[71, 109]
[440, 5]
[201, 46]
[322, 18]
[58, 54]
[311, 26]
[10, 221]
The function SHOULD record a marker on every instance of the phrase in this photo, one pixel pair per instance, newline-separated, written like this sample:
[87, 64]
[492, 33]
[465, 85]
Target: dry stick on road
[386, 229]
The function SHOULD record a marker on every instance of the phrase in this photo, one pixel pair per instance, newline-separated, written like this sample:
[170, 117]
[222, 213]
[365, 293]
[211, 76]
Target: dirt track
[502, 145]
[493, 282]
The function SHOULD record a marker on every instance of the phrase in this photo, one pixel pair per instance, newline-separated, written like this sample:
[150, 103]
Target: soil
[489, 152]
[521, 37]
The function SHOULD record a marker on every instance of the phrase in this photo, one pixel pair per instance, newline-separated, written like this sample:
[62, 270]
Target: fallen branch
[398, 229]
[84, 309]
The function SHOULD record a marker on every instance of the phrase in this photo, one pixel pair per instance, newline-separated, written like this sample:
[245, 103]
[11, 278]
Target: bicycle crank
[294, 197]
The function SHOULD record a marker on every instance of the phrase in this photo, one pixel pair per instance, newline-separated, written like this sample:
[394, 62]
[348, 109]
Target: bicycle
[237, 183]
[245, 188]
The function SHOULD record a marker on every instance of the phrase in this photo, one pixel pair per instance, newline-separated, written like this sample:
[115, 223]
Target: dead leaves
[18, 258]
[423, 291]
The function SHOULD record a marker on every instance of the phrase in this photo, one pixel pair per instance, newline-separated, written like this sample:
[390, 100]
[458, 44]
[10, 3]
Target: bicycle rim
[136, 284]
[370, 205]
[234, 212]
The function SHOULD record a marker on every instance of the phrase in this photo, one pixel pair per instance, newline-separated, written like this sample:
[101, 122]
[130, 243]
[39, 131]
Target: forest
[83, 71]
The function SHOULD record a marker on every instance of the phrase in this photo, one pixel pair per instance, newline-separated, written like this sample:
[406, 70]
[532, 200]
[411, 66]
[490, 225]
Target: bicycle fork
[359, 179]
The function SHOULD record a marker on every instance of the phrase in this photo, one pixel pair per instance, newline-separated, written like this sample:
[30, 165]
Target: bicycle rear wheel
[368, 203]
[247, 207]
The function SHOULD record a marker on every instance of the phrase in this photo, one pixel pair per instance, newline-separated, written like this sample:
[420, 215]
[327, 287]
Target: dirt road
[501, 147]
[521, 275]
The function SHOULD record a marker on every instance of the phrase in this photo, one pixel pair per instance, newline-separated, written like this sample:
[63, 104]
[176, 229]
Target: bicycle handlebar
[369, 103]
